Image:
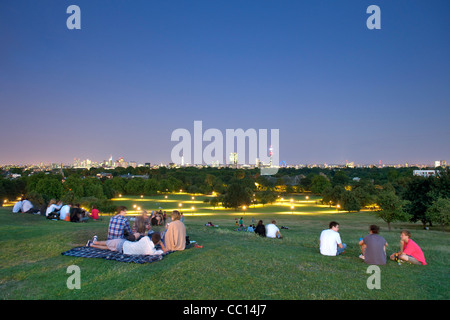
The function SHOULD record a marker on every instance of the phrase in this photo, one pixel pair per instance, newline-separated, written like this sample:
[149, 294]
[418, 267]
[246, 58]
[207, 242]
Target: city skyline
[134, 73]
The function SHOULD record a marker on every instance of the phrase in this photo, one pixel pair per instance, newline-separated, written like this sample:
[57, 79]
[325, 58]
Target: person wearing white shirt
[27, 206]
[17, 207]
[330, 241]
[65, 210]
[53, 206]
[272, 230]
[144, 246]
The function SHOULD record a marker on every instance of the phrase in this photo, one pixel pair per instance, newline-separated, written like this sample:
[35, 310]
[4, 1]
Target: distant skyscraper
[234, 158]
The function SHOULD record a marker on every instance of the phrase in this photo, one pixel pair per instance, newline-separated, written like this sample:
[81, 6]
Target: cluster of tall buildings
[107, 164]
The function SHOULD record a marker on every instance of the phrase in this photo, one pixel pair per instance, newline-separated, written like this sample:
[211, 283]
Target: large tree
[391, 208]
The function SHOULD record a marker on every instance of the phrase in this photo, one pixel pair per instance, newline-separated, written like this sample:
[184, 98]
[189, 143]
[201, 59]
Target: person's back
[375, 252]
[95, 213]
[329, 240]
[271, 230]
[26, 206]
[175, 236]
[75, 214]
[260, 229]
[17, 207]
[65, 210]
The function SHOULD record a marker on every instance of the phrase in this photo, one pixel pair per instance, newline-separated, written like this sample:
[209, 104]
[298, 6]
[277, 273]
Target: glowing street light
[243, 208]
[292, 209]
[180, 204]
[307, 197]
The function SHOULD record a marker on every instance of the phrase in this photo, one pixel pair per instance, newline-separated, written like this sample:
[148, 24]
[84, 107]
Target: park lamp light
[292, 209]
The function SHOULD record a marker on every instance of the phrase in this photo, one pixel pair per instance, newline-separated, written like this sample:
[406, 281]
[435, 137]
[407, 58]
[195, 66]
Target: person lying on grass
[409, 250]
[145, 246]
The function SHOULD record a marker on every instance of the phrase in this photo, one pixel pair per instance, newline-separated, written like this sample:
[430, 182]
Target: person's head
[405, 235]
[274, 222]
[334, 225]
[156, 238]
[52, 201]
[139, 223]
[374, 229]
[94, 207]
[175, 215]
[260, 222]
[122, 210]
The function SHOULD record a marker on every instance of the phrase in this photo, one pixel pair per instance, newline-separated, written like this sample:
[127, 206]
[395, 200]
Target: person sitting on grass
[260, 229]
[330, 241]
[17, 207]
[272, 231]
[27, 207]
[64, 213]
[119, 227]
[145, 246]
[53, 208]
[140, 226]
[174, 238]
[94, 213]
[373, 247]
[409, 250]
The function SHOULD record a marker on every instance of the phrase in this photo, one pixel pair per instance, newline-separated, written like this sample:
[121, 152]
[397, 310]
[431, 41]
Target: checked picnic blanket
[90, 252]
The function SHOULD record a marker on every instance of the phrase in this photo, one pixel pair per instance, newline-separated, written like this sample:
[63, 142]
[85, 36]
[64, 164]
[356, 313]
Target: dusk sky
[138, 70]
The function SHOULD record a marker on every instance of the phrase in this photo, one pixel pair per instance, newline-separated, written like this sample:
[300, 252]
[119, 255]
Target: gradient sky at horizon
[136, 71]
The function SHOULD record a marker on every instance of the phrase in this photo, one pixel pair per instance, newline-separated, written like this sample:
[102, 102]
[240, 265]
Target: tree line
[393, 194]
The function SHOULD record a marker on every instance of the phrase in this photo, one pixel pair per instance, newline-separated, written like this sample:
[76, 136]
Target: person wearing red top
[409, 250]
[94, 213]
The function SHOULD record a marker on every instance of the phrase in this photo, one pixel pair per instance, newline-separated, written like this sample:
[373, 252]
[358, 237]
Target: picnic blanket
[91, 252]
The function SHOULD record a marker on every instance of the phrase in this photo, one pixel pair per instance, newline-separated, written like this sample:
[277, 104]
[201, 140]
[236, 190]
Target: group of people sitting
[56, 210]
[269, 231]
[141, 239]
[373, 246]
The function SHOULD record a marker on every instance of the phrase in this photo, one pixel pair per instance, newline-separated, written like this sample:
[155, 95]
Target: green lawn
[231, 265]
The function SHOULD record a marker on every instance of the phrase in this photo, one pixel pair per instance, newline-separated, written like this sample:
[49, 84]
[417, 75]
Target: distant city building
[424, 173]
[440, 163]
[234, 158]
